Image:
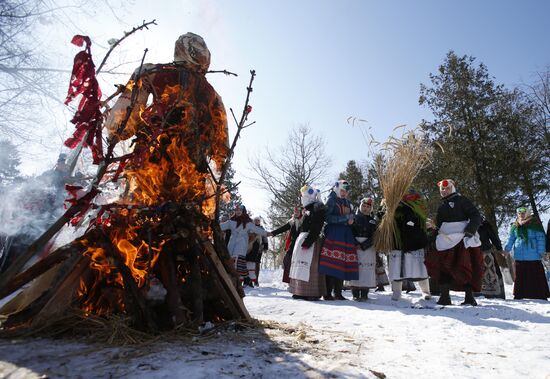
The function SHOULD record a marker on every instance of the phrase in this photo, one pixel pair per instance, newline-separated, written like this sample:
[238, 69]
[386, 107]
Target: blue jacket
[338, 210]
[531, 249]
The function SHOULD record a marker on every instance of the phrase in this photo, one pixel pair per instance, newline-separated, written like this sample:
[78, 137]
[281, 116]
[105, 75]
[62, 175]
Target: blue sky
[320, 62]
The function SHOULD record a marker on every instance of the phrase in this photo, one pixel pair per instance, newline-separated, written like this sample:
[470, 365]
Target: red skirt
[464, 266]
[530, 281]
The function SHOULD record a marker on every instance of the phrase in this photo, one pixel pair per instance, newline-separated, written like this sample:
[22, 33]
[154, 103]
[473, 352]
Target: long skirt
[240, 266]
[339, 253]
[367, 269]
[381, 276]
[460, 265]
[315, 286]
[407, 266]
[287, 259]
[530, 281]
[492, 285]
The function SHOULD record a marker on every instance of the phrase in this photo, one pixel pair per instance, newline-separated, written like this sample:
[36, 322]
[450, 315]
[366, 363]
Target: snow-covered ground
[380, 338]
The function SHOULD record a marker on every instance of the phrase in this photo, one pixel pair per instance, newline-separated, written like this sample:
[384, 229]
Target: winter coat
[530, 249]
[456, 208]
[488, 237]
[411, 229]
[335, 215]
[364, 226]
[238, 242]
[314, 219]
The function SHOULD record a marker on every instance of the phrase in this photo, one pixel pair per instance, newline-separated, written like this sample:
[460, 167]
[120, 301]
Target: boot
[329, 280]
[356, 294]
[380, 288]
[364, 295]
[338, 286]
[444, 298]
[469, 298]
[396, 287]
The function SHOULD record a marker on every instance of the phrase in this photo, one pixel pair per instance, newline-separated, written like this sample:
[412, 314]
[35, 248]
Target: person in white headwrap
[241, 226]
[305, 280]
[457, 261]
[363, 229]
[339, 254]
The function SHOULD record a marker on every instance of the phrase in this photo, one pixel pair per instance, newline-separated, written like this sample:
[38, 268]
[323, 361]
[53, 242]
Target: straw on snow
[400, 161]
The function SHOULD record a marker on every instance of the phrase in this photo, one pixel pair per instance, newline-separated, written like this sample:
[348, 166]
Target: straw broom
[398, 163]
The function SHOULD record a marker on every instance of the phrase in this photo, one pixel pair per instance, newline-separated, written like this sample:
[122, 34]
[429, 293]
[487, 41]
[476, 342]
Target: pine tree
[354, 176]
[468, 124]
[233, 189]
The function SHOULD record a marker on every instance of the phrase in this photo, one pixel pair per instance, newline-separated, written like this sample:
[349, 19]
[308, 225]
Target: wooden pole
[225, 280]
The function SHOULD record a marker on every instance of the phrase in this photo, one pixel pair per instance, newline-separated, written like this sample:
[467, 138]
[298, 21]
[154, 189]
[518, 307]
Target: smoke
[30, 207]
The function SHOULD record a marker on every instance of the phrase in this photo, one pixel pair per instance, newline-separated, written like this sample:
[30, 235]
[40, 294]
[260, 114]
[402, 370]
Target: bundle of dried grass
[397, 163]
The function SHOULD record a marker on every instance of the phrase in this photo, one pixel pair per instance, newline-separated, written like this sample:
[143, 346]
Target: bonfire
[155, 256]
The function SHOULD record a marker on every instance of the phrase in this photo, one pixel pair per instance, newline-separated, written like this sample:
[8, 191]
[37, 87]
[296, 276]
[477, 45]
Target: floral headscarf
[192, 50]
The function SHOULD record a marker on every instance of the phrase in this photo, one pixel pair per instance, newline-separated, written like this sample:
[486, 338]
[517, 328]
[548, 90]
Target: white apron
[408, 265]
[451, 233]
[367, 267]
[300, 265]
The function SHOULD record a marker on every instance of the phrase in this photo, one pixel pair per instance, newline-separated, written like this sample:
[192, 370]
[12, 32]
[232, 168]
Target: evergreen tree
[528, 163]
[468, 124]
[354, 175]
[233, 190]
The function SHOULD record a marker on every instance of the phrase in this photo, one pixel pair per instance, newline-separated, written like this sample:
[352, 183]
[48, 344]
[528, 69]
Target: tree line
[492, 140]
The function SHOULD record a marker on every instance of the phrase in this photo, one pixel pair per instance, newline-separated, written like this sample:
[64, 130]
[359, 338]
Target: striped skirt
[339, 253]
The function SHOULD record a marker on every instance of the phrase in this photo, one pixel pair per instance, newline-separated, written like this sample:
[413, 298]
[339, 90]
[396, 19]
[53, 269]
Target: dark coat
[364, 226]
[313, 222]
[457, 208]
[488, 237]
[294, 232]
[412, 229]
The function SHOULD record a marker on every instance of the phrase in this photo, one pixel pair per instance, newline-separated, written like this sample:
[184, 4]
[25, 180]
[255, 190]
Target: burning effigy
[154, 253]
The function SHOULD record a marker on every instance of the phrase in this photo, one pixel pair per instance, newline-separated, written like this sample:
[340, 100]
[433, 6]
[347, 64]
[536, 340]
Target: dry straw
[397, 163]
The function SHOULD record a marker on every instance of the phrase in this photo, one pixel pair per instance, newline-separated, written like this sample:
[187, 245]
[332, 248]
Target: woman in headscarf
[305, 280]
[527, 241]
[241, 226]
[339, 254]
[456, 261]
[363, 229]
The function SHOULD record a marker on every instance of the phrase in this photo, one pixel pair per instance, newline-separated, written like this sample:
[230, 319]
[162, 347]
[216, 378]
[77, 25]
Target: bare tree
[539, 93]
[31, 90]
[301, 160]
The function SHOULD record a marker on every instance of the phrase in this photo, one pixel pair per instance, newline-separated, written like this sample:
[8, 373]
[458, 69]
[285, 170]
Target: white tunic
[238, 242]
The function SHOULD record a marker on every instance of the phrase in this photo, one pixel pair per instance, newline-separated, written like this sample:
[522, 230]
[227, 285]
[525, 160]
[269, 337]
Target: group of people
[330, 247]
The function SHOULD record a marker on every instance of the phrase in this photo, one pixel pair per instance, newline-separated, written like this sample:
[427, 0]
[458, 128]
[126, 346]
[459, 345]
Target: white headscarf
[309, 195]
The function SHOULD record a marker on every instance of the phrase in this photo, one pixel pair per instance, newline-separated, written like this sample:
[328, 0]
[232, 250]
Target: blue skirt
[339, 253]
